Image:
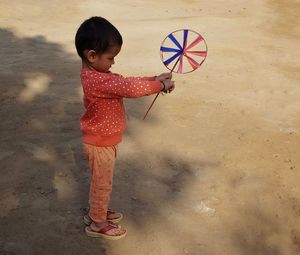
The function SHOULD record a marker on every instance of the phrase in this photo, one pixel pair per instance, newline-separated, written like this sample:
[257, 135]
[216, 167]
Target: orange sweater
[103, 122]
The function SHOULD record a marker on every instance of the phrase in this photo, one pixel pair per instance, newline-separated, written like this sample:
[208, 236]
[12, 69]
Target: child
[98, 42]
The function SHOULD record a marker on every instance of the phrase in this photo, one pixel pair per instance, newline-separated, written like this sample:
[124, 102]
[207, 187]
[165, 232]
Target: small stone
[61, 174]
[204, 209]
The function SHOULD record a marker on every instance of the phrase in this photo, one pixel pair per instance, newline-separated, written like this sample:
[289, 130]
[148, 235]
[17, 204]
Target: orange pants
[102, 163]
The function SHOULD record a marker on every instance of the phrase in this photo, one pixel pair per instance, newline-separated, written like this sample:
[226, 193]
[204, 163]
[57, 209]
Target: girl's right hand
[167, 86]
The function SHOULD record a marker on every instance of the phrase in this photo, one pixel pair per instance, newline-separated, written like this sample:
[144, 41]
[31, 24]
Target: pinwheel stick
[158, 93]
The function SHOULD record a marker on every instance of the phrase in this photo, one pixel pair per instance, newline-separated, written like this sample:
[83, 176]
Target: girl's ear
[90, 55]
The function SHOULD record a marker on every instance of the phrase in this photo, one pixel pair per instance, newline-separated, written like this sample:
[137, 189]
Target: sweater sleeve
[130, 87]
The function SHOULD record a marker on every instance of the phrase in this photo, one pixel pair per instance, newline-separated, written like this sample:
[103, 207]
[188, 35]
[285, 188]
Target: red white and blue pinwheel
[186, 47]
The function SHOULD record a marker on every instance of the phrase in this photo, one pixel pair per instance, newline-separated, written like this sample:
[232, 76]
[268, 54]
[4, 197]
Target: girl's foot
[112, 216]
[107, 230]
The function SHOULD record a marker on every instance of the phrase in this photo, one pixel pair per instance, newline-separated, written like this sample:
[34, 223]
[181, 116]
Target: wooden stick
[158, 92]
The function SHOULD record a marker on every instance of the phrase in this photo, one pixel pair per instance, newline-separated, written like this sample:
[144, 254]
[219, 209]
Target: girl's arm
[114, 85]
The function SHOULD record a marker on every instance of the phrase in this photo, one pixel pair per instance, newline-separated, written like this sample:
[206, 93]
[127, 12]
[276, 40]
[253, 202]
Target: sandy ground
[213, 170]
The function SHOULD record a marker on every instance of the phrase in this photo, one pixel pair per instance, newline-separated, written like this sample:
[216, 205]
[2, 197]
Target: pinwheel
[186, 48]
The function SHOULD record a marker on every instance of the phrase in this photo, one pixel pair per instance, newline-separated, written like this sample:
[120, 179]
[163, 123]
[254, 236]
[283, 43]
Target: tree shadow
[252, 238]
[144, 188]
[260, 230]
[41, 184]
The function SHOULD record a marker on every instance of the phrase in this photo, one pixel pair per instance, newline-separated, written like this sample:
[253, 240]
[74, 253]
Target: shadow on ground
[44, 184]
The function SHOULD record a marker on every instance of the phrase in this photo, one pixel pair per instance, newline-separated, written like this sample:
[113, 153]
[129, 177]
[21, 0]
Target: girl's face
[102, 62]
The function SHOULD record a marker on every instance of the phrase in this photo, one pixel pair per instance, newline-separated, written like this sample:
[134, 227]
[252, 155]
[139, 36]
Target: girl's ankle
[97, 226]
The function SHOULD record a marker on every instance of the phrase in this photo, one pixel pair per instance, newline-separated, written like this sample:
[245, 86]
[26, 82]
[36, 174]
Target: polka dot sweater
[103, 122]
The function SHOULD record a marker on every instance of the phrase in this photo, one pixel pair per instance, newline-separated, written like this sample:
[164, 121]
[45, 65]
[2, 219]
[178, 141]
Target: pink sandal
[112, 216]
[103, 232]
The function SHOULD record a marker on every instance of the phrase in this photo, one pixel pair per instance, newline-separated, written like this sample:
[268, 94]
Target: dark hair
[98, 34]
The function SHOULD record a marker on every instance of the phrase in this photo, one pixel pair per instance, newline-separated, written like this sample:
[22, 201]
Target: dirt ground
[213, 170]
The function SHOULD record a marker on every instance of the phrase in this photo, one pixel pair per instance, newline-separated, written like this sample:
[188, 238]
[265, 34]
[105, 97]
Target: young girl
[98, 42]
